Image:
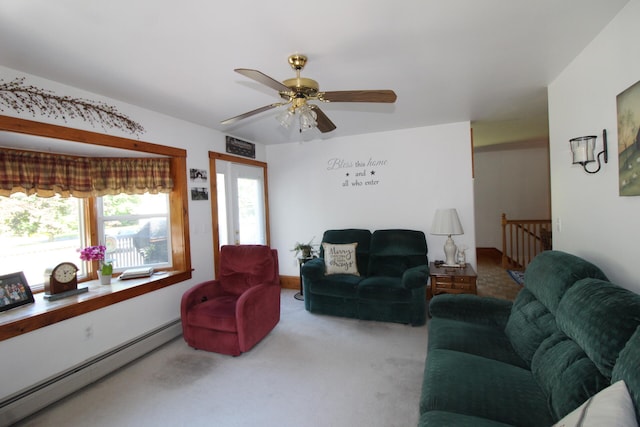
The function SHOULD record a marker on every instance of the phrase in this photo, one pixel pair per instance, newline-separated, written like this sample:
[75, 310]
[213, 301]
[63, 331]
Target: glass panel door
[241, 204]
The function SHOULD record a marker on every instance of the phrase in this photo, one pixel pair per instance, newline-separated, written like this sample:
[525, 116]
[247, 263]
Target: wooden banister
[522, 240]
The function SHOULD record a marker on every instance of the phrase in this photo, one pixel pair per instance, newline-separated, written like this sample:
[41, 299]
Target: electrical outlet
[559, 224]
[88, 332]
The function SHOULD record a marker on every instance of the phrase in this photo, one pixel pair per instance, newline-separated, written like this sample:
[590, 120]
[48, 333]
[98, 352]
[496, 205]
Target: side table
[300, 295]
[452, 280]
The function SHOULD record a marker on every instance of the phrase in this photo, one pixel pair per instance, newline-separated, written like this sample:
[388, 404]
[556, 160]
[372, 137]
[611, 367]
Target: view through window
[37, 232]
[134, 229]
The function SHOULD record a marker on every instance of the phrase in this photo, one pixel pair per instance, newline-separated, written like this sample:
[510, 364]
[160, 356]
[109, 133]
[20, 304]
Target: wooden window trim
[43, 313]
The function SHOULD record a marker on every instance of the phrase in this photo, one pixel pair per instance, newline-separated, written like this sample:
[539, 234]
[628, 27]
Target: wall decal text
[358, 173]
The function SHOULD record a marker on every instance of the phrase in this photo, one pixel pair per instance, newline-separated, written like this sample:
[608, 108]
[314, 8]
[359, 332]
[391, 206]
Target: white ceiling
[486, 61]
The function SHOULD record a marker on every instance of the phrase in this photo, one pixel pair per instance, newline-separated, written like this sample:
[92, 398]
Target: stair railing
[522, 240]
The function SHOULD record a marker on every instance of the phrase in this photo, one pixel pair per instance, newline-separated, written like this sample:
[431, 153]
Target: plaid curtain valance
[47, 174]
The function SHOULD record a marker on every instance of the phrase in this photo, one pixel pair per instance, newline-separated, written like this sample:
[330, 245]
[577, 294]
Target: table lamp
[447, 223]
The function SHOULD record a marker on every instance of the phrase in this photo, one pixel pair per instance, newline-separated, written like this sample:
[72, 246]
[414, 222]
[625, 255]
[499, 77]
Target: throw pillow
[340, 258]
[612, 407]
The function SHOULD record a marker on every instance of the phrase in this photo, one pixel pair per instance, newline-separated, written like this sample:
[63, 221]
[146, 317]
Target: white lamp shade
[446, 222]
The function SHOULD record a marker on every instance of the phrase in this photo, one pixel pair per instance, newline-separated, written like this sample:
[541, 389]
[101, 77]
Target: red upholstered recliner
[233, 313]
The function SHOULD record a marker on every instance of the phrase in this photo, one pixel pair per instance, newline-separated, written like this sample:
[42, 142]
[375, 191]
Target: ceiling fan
[296, 93]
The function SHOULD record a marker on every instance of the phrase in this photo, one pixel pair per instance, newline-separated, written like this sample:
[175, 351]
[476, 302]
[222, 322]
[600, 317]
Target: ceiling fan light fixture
[285, 118]
[307, 118]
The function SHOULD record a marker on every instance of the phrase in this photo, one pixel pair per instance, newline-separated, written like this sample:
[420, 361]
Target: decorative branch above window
[20, 97]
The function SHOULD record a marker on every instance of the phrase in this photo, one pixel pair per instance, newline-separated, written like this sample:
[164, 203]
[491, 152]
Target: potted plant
[97, 253]
[304, 250]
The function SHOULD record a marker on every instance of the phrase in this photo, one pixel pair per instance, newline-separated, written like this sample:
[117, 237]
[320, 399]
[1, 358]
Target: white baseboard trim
[24, 403]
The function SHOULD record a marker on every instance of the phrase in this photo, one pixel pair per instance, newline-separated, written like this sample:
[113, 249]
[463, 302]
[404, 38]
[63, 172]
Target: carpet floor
[493, 280]
[311, 370]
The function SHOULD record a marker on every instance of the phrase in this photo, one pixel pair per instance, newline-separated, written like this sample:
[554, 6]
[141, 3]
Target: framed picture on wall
[14, 291]
[199, 193]
[198, 175]
[628, 103]
[240, 147]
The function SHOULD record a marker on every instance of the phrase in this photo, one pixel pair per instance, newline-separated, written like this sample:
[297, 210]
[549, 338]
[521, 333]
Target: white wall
[510, 178]
[64, 343]
[421, 170]
[592, 220]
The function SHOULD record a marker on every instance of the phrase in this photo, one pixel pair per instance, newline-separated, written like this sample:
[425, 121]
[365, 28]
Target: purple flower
[93, 253]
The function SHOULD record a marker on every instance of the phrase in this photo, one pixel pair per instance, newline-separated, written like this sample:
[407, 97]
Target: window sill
[43, 312]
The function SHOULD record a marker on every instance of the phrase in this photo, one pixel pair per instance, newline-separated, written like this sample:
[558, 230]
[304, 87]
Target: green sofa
[390, 284]
[568, 335]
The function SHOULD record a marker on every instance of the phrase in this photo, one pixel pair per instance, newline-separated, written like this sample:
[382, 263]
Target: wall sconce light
[583, 150]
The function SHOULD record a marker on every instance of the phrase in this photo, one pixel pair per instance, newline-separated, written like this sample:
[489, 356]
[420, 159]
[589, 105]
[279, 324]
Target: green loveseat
[568, 335]
[390, 282]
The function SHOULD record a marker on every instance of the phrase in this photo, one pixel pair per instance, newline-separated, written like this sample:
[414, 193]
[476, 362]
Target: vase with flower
[97, 253]
[461, 257]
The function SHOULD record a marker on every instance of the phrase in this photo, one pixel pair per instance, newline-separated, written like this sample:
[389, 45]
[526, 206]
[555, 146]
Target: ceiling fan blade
[360, 96]
[251, 113]
[260, 77]
[324, 123]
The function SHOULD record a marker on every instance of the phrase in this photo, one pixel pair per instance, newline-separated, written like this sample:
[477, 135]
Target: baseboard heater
[29, 401]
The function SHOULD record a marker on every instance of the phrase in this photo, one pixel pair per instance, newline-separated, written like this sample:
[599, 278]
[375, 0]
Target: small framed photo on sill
[14, 291]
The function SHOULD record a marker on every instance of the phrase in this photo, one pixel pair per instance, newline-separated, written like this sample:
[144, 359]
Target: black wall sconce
[583, 150]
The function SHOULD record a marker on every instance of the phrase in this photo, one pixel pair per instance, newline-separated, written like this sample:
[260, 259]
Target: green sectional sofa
[569, 334]
[384, 279]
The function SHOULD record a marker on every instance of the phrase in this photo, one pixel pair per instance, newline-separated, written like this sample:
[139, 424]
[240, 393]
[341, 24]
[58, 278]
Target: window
[15, 322]
[134, 230]
[37, 232]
